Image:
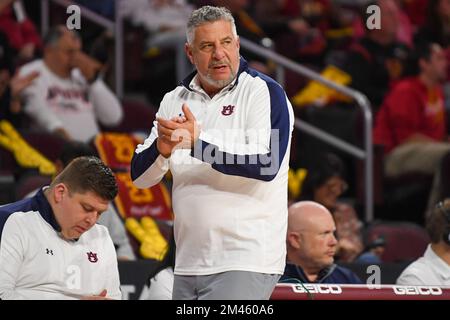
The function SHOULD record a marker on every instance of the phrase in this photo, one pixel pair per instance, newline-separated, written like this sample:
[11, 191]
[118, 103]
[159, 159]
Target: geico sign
[318, 288]
[417, 290]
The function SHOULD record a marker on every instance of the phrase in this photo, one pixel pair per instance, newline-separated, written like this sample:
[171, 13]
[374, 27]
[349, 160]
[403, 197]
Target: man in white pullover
[230, 186]
[68, 97]
[50, 244]
[433, 269]
[110, 218]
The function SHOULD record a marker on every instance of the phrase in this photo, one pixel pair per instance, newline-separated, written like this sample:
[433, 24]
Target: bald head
[311, 243]
[304, 215]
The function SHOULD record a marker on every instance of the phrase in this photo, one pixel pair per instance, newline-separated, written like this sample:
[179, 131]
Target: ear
[188, 50]
[293, 238]
[59, 191]
[238, 42]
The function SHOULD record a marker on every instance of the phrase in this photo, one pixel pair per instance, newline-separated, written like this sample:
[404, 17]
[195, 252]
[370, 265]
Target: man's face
[215, 54]
[65, 51]
[79, 212]
[328, 193]
[436, 66]
[318, 243]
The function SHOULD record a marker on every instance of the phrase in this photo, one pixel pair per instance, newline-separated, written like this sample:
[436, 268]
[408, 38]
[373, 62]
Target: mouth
[80, 229]
[221, 66]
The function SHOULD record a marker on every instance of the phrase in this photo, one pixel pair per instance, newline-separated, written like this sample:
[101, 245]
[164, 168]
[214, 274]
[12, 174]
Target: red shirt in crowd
[19, 33]
[408, 109]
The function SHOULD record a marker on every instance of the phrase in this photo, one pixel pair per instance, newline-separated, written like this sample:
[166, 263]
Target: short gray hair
[55, 33]
[208, 14]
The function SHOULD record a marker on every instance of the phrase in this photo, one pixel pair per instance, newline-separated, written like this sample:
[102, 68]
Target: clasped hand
[177, 133]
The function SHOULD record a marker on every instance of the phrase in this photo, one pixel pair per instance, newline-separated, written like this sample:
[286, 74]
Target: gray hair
[55, 33]
[208, 14]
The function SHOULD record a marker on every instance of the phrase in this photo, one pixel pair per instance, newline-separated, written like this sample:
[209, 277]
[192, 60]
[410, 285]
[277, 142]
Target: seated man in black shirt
[311, 246]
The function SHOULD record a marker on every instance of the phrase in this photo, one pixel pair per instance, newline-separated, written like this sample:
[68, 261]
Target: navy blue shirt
[332, 274]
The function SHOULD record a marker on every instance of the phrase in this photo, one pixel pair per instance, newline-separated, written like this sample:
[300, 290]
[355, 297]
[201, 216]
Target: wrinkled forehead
[212, 30]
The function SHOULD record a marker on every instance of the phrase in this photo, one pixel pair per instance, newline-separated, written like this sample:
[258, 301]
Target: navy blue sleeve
[343, 275]
[143, 160]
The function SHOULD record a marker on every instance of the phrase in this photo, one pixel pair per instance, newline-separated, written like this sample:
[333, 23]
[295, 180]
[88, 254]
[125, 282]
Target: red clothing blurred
[410, 108]
[19, 34]
[416, 11]
[315, 12]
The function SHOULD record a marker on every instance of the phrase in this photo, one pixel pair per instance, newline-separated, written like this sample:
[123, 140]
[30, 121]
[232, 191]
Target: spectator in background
[411, 122]
[416, 11]
[405, 29]
[68, 97]
[248, 28]
[325, 183]
[377, 60]
[297, 30]
[110, 218]
[163, 19]
[311, 246]
[103, 7]
[164, 24]
[437, 24]
[433, 269]
[373, 253]
[11, 85]
[51, 246]
[21, 32]
[437, 29]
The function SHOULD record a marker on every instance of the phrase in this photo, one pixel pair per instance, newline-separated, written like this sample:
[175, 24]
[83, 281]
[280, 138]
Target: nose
[91, 218]
[333, 241]
[218, 53]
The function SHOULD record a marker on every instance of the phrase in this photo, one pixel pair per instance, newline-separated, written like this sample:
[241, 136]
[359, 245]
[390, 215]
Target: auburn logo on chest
[227, 110]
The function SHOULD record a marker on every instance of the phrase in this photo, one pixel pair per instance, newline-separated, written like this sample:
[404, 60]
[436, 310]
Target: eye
[206, 47]
[87, 208]
[226, 42]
